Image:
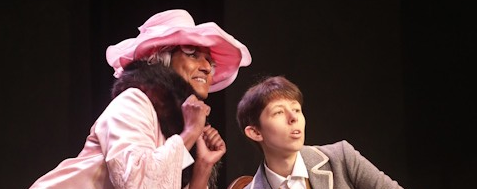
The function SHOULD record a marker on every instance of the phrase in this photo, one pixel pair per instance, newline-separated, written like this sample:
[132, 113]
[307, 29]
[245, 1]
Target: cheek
[189, 68]
[181, 64]
[182, 70]
[273, 130]
[181, 73]
[210, 79]
[274, 137]
[176, 66]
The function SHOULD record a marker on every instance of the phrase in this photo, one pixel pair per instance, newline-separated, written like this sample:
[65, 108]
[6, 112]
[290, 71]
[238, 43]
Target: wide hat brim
[176, 27]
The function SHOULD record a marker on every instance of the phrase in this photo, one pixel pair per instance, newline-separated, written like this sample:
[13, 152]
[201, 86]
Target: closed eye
[278, 112]
[193, 54]
[297, 110]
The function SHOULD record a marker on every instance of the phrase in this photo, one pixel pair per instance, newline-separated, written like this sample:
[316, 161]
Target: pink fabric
[152, 162]
[177, 27]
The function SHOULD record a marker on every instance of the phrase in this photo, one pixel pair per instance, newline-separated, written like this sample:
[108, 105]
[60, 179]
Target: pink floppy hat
[177, 27]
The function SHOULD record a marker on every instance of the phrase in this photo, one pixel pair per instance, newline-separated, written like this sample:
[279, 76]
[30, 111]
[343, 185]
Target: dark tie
[307, 183]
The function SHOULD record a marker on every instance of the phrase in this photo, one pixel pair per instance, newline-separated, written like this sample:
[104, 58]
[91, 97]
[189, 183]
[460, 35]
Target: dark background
[394, 78]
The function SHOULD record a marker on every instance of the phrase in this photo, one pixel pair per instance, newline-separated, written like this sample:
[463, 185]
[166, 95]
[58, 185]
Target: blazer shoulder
[337, 149]
[340, 145]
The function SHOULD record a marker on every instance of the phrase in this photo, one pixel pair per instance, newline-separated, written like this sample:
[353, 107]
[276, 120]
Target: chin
[298, 147]
[201, 95]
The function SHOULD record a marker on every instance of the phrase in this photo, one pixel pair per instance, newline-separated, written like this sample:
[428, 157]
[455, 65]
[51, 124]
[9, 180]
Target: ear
[253, 133]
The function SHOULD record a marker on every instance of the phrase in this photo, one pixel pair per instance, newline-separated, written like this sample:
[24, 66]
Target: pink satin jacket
[125, 149]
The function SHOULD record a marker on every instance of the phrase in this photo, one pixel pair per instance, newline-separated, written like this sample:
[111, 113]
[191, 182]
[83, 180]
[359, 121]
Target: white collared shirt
[294, 181]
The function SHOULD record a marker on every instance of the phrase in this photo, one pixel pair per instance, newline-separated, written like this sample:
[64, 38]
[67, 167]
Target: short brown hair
[260, 94]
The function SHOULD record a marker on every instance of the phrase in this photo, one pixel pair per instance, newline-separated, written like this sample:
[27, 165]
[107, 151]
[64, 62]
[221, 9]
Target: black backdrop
[394, 78]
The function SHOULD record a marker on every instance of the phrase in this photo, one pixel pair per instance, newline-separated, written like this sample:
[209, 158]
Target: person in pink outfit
[154, 132]
[270, 116]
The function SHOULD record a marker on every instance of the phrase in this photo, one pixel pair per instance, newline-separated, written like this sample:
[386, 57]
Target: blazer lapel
[319, 170]
[259, 179]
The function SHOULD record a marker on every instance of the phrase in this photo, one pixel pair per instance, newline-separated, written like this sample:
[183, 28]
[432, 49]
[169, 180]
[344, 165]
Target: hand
[210, 146]
[194, 112]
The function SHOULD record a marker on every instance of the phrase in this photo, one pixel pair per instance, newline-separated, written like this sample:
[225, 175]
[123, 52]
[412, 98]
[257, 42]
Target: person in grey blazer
[270, 115]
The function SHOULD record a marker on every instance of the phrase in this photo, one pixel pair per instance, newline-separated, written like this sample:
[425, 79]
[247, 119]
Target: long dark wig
[167, 90]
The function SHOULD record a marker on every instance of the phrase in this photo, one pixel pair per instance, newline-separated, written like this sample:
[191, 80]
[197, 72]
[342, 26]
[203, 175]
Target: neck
[281, 164]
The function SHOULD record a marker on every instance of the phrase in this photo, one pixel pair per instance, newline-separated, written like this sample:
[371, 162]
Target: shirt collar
[299, 171]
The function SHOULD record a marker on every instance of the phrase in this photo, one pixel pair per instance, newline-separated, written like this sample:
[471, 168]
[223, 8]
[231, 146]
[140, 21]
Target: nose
[292, 117]
[205, 66]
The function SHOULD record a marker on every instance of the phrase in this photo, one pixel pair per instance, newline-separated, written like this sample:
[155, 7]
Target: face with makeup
[196, 66]
[282, 127]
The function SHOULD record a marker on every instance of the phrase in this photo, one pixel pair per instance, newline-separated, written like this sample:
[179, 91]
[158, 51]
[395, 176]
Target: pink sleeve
[133, 146]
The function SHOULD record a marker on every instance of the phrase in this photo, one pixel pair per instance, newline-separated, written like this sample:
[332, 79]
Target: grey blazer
[335, 166]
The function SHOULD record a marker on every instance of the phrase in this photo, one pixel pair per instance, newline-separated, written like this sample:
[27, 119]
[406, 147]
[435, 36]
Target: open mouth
[296, 134]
